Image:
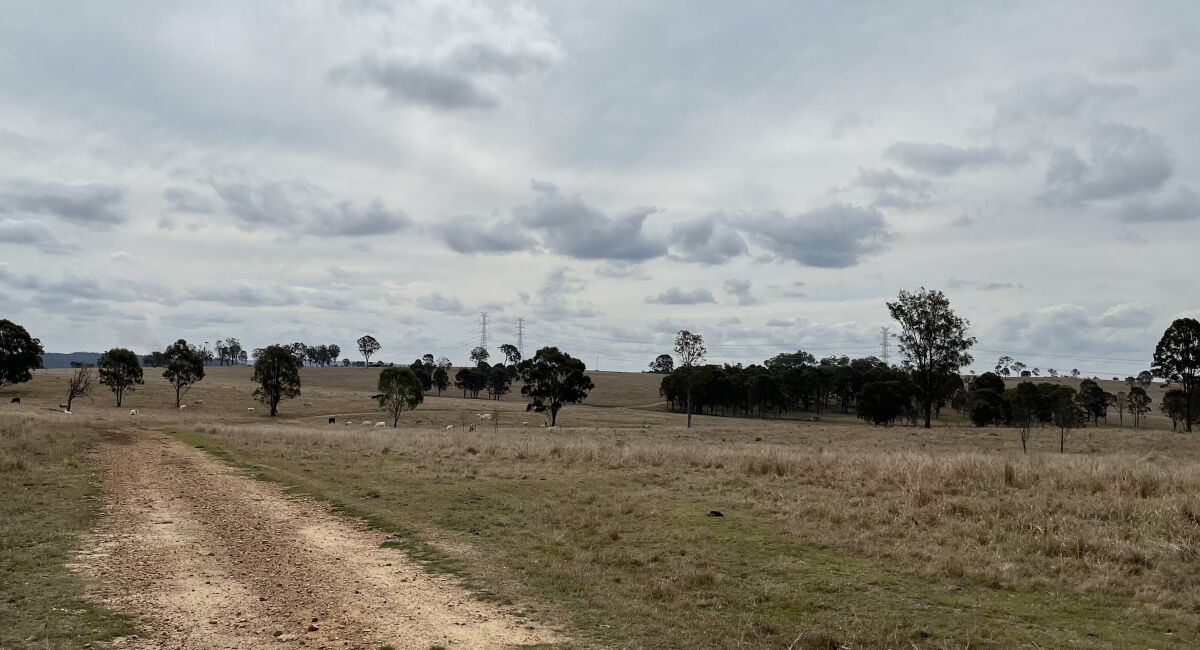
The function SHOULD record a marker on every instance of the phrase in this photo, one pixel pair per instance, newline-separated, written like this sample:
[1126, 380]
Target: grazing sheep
[524, 424]
[366, 423]
[379, 424]
[133, 411]
[250, 408]
[66, 411]
[182, 406]
[62, 407]
[450, 427]
[485, 416]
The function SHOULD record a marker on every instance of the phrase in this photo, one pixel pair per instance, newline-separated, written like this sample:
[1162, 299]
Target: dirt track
[206, 558]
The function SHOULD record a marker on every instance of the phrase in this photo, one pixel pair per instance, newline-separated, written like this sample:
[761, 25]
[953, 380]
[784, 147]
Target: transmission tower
[885, 343]
[521, 336]
[483, 318]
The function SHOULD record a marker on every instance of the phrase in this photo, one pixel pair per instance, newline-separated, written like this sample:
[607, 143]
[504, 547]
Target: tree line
[935, 347]
[550, 380]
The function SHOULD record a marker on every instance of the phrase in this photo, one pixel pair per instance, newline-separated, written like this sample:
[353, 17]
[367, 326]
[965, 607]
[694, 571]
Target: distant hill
[65, 359]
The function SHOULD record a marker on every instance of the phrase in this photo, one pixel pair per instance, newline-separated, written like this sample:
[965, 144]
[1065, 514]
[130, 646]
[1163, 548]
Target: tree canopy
[277, 373]
[553, 379]
[663, 364]
[184, 367]
[367, 346]
[1177, 358]
[399, 391]
[20, 354]
[120, 371]
[933, 340]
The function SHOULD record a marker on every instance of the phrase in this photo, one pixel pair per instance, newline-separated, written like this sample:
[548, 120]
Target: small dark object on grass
[333, 420]
[715, 513]
[15, 400]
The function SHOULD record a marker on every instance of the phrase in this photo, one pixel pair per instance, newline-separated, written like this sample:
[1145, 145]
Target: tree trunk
[929, 414]
[1062, 441]
[553, 416]
[689, 407]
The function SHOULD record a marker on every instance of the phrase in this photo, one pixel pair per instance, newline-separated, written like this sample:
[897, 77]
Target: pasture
[628, 530]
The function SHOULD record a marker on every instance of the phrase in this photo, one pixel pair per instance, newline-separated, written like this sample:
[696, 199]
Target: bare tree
[79, 385]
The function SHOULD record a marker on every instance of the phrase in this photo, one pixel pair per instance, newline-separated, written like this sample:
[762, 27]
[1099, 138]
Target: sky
[767, 174]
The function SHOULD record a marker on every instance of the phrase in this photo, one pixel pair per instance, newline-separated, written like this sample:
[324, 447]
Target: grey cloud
[780, 322]
[305, 208]
[1126, 315]
[406, 82]
[707, 241]
[478, 55]
[571, 227]
[554, 300]
[847, 122]
[88, 288]
[943, 159]
[619, 269]
[1122, 160]
[677, 296]
[475, 235]
[976, 285]
[1180, 205]
[1058, 96]
[740, 289]
[182, 199]
[31, 233]
[94, 205]
[891, 190]
[243, 295]
[440, 303]
[837, 236]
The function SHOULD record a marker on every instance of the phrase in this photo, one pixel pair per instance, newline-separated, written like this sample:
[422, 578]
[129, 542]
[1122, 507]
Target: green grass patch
[51, 496]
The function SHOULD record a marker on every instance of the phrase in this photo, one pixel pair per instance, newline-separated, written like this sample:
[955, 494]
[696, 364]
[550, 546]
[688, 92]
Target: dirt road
[207, 558]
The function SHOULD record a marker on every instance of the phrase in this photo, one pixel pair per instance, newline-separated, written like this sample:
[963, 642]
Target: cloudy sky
[765, 173]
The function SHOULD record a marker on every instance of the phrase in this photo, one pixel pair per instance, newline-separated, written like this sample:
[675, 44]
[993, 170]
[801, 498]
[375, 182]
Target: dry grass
[50, 498]
[834, 532]
[1114, 530]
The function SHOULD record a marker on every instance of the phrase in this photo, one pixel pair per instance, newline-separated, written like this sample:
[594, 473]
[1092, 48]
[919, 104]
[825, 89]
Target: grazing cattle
[379, 424]
[133, 411]
[333, 420]
[15, 400]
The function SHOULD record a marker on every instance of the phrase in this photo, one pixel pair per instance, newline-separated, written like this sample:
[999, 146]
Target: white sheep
[485, 416]
[450, 427]
[182, 406]
[249, 408]
[133, 411]
[524, 424]
[378, 424]
[366, 423]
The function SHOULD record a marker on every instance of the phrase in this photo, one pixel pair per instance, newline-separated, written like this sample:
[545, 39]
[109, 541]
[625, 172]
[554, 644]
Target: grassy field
[832, 534]
[50, 498]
